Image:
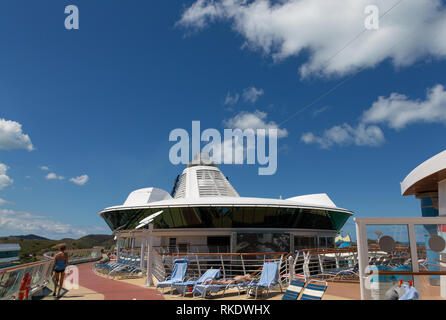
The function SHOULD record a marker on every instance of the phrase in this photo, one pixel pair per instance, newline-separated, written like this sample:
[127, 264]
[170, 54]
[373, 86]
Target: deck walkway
[94, 287]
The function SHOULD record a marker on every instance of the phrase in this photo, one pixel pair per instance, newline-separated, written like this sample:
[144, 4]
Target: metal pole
[223, 265]
[321, 262]
[118, 245]
[149, 280]
[198, 265]
[143, 240]
[243, 264]
[337, 260]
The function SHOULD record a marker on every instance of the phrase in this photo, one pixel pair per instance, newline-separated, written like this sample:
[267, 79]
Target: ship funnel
[202, 178]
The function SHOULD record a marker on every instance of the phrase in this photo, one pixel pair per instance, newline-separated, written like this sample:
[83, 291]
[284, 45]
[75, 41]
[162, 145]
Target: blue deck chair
[314, 291]
[268, 279]
[130, 265]
[107, 267]
[294, 289]
[177, 276]
[210, 274]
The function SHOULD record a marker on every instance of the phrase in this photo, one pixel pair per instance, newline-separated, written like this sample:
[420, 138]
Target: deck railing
[23, 281]
[78, 256]
[311, 263]
[230, 264]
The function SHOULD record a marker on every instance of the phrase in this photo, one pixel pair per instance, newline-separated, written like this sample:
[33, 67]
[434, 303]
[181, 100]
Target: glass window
[238, 218]
[388, 250]
[326, 242]
[263, 242]
[229, 217]
[305, 242]
[431, 250]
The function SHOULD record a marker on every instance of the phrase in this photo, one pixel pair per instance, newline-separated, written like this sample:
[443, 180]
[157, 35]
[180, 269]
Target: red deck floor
[113, 289]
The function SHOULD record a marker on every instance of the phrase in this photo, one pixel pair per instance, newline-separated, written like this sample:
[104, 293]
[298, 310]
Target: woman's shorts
[59, 271]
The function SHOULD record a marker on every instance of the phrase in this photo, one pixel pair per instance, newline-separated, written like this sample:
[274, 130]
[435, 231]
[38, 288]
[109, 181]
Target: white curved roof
[230, 201]
[321, 199]
[144, 196]
[426, 176]
[203, 184]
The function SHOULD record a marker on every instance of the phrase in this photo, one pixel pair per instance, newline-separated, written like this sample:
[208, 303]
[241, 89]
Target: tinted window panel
[228, 217]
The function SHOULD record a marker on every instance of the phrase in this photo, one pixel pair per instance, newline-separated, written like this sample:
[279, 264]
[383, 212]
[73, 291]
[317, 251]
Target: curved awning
[426, 176]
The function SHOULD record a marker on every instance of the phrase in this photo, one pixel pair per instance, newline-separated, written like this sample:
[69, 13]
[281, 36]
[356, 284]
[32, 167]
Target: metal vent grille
[181, 191]
[212, 183]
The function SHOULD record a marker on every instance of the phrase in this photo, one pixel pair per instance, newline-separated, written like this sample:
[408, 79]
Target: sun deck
[94, 286]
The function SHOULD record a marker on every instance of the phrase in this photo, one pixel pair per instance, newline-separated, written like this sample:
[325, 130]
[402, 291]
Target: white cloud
[397, 111]
[3, 202]
[44, 168]
[5, 181]
[345, 134]
[12, 137]
[409, 32]
[231, 99]
[251, 94]
[24, 222]
[53, 176]
[81, 180]
[254, 120]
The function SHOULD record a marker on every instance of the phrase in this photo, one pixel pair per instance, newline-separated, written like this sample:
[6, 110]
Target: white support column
[118, 245]
[306, 264]
[361, 238]
[414, 254]
[143, 240]
[337, 260]
[291, 243]
[291, 268]
[198, 265]
[321, 262]
[243, 264]
[149, 280]
[442, 213]
[442, 198]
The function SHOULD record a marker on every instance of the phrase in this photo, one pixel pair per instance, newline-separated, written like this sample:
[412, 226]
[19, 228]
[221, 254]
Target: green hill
[29, 237]
[32, 248]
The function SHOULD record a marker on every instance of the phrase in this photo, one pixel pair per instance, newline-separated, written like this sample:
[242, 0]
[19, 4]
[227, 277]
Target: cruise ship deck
[97, 287]
[390, 258]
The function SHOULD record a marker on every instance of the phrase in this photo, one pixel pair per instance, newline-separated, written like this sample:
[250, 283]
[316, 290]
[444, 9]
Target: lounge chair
[346, 273]
[107, 267]
[314, 291]
[268, 279]
[294, 289]
[182, 288]
[129, 266]
[212, 287]
[177, 276]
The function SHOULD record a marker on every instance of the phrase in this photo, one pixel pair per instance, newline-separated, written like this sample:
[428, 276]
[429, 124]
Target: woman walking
[59, 266]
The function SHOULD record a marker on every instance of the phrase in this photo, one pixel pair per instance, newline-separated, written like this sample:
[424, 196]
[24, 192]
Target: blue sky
[101, 101]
